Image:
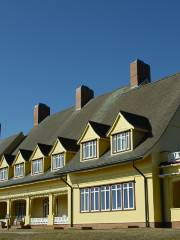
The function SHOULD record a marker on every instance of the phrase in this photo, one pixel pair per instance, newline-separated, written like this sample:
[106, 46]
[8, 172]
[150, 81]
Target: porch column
[8, 211]
[28, 211]
[51, 210]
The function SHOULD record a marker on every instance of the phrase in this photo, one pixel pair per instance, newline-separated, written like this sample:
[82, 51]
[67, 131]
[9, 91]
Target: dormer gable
[40, 159]
[40, 151]
[127, 131]
[94, 130]
[93, 141]
[21, 163]
[6, 170]
[62, 151]
[126, 121]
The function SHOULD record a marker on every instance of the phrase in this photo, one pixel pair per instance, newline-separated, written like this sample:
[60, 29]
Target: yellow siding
[113, 175]
[120, 125]
[19, 159]
[47, 163]
[4, 163]
[104, 145]
[57, 148]
[37, 154]
[89, 134]
[137, 137]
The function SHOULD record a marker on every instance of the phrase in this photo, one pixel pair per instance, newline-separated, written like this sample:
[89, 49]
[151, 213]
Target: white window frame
[17, 169]
[84, 192]
[126, 186]
[116, 188]
[4, 174]
[106, 189]
[89, 150]
[39, 166]
[125, 142]
[58, 158]
[95, 192]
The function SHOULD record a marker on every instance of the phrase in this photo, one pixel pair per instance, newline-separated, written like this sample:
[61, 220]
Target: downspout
[71, 198]
[145, 195]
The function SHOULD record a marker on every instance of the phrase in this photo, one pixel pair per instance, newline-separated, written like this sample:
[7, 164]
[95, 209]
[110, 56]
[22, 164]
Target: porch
[49, 209]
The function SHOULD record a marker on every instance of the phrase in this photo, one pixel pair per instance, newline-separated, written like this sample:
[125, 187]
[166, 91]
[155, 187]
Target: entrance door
[45, 208]
[20, 210]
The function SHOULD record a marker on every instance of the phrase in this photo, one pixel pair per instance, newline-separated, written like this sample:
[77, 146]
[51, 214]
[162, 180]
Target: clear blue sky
[49, 47]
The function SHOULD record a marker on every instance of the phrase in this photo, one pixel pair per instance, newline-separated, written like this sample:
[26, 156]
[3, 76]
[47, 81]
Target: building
[109, 161]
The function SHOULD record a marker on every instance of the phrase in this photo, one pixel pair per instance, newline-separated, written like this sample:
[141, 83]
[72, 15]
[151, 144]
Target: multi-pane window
[58, 161]
[85, 200]
[105, 198]
[19, 170]
[108, 198]
[116, 196]
[3, 174]
[95, 199]
[121, 142]
[128, 193]
[89, 149]
[37, 166]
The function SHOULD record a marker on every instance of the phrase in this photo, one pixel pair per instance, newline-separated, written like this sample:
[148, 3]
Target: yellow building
[109, 161]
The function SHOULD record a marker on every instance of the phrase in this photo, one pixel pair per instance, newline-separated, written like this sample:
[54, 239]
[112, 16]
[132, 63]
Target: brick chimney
[140, 73]
[41, 111]
[83, 95]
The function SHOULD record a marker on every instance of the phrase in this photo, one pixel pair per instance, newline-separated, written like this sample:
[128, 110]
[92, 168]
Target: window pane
[131, 198]
[102, 200]
[125, 198]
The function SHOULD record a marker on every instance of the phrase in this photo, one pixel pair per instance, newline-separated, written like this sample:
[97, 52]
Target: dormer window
[37, 166]
[3, 174]
[121, 142]
[89, 150]
[58, 161]
[19, 170]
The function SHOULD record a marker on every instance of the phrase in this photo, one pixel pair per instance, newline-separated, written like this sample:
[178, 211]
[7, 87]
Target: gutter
[145, 195]
[61, 177]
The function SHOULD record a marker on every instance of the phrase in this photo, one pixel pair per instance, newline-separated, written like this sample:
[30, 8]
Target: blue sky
[50, 47]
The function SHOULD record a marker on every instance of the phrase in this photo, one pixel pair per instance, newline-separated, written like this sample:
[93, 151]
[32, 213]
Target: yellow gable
[36, 154]
[3, 163]
[19, 159]
[88, 134]
[120, 125]
[58, 148]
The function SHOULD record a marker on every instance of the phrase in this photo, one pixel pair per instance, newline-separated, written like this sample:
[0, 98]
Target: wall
[112, 175]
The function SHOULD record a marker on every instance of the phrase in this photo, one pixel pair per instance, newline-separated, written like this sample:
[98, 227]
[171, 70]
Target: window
[37, 166]
[19, 170]
[58, 161]
[121, 142]
[95, 199]
[128, 193]
[89, 149]
[116, 196]
[108, 198]
[85, 200]
[105, 198]
[3, 174]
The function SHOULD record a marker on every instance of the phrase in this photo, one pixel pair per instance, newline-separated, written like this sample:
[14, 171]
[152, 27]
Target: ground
[73, 234]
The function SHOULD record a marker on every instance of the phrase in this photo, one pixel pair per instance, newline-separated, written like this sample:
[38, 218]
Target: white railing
[174, 156]
[61, 220]
[39, 221]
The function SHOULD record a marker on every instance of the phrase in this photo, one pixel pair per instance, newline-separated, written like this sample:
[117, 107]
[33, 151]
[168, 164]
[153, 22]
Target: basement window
[89, 150]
